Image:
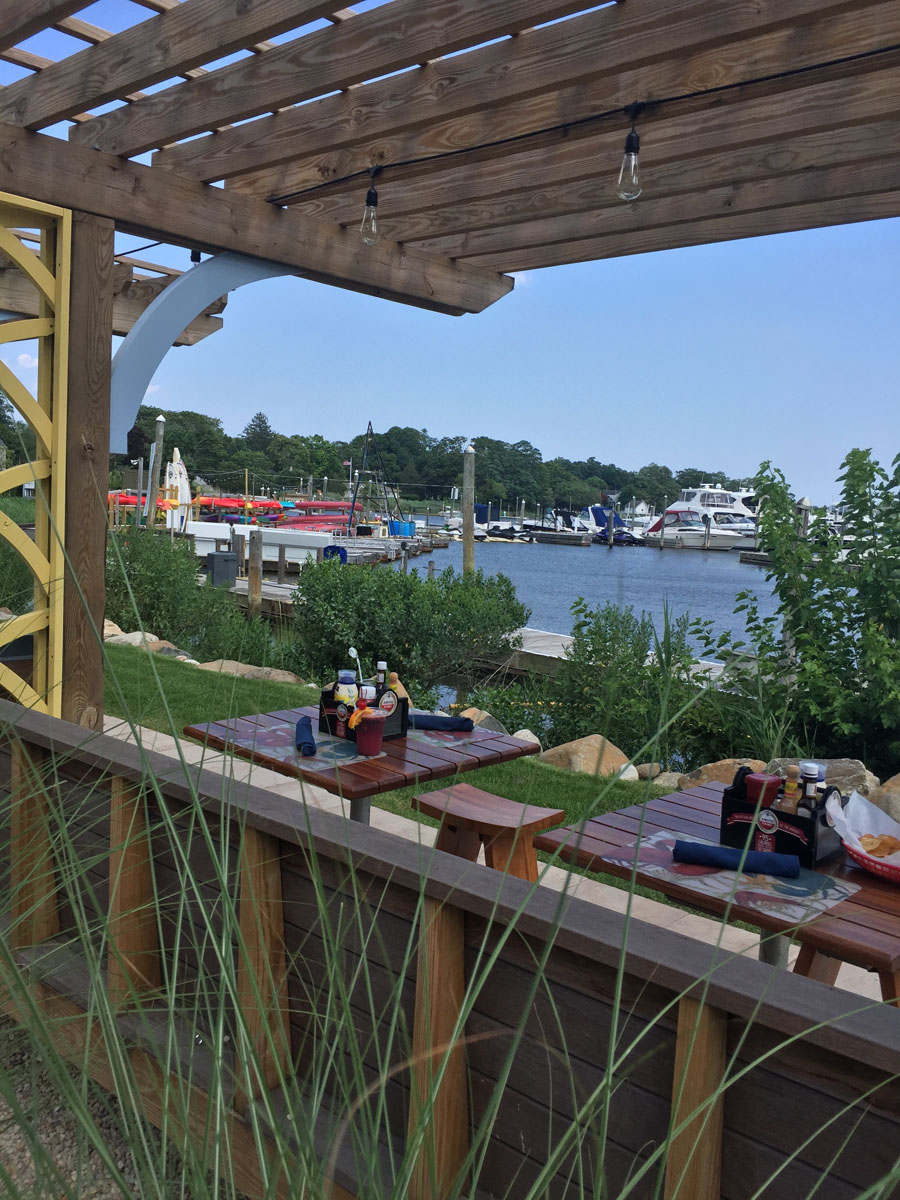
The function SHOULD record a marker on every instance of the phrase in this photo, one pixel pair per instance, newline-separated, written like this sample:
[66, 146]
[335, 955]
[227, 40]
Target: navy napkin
[422, 720]
[303, 738]
[754, 862]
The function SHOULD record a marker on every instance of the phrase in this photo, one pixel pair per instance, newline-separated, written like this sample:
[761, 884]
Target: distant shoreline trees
[423, 467]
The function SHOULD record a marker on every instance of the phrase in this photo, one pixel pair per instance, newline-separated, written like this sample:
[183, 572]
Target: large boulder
[484, 720]
[591, 755]
[848, 774]
[110, 628]
[525, 735]
[229, 666]
[140, 637]
[648, 770]
[668, 779]
[887, 797]
[722, 771]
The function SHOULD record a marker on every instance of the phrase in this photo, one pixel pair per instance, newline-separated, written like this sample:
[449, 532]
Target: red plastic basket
[874, 865]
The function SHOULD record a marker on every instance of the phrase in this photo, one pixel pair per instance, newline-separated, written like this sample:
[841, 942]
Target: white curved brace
[137, 359]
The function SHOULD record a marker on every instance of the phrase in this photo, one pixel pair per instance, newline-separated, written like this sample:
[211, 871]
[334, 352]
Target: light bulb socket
[371, 198]
[633, 142]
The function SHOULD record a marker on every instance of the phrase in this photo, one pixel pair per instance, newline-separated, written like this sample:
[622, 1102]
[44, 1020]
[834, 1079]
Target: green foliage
[16, 579]
[424, 629]
[828, 663]
[151, 583]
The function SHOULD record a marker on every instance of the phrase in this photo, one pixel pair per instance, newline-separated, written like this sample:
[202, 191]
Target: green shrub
[426, 630]
[16, 579]
[827, 664]
[151, 583]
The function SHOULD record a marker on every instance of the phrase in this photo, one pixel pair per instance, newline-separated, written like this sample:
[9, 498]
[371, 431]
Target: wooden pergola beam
[816, 214]
[609, 217]
[594, 63]
[169, 44]
[386, 39]
[19, 20]
[159, 204]
[820, 125]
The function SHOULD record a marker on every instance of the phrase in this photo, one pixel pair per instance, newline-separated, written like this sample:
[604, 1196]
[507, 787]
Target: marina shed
[488, 136]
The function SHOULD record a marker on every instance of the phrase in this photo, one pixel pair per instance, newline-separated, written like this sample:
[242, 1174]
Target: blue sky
[716, 357]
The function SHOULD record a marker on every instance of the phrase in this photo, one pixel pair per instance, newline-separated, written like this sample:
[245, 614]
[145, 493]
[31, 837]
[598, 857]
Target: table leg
[815, 965]
[773, 950]
[454, 839]
[360, 810]
[515, 855]
[890, 987]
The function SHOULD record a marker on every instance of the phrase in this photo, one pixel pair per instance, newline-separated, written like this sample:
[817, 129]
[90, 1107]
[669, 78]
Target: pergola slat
[820, 124]
[816, 214]
[610, 217]
[383, 40]
[590, 64]
[21, 19]
[146, 201]
[185, 36]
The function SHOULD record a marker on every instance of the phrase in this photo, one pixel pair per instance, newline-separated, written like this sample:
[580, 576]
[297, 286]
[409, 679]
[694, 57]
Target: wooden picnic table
[268, 740]
[864, 929]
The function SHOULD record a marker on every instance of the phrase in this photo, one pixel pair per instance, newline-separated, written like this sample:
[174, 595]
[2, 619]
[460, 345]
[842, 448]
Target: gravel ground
[55, 1128]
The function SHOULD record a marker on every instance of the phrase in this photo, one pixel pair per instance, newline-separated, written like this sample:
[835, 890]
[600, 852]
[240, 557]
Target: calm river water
[549, 578]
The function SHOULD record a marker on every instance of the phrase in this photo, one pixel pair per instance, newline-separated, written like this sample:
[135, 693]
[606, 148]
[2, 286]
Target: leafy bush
[828, 662]
[151, 583]
[426, 630]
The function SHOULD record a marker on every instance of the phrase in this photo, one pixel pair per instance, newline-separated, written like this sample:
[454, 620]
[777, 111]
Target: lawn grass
[165, 694]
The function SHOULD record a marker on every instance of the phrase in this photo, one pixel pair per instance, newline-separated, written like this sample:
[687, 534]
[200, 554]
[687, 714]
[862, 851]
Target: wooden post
[262, 990]
[440, 986]
[133, 964]
[254, 574]
[694, 1162]
[282, 564]
[431, 568]
[87, 469]
[662, 527]
[238, 543]
[468, 506]
[33, 906]
[153, 480]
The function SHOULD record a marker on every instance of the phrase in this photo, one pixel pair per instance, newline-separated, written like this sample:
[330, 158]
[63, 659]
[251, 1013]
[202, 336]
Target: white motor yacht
[733, 511]
[683, 527]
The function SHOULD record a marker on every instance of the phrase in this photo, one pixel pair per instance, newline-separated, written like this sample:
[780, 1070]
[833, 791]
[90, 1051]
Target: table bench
[863, 930]
[471, 818]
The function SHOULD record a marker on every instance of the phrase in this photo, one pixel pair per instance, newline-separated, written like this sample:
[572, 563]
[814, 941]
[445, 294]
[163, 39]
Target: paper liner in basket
[859, 816]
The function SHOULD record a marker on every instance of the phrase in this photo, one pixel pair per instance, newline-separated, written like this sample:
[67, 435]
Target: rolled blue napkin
[303, 738]
[753, 862]
[422, 720]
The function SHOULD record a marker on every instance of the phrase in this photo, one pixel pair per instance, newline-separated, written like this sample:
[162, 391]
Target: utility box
[221, 568]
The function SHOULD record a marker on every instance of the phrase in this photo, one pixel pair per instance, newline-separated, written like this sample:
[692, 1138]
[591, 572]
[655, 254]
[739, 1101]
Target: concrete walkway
[854, 979]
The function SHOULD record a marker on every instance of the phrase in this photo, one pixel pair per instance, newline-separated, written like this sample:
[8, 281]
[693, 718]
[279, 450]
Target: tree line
[421, 466]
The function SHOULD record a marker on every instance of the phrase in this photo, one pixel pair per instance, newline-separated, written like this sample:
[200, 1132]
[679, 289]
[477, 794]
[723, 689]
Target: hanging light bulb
[629, 185]
[368, 227]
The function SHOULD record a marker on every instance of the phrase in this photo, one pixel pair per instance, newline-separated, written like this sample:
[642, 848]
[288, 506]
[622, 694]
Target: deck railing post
[694, 1161]
[33, 905]
[133, 964]
[254, 574]
[262, 989]
[440, 987]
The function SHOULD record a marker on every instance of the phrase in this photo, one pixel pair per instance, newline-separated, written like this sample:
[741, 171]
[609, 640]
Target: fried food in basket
[881, 846]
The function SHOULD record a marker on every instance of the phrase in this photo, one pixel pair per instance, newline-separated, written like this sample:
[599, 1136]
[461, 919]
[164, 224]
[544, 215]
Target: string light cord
[564, 127]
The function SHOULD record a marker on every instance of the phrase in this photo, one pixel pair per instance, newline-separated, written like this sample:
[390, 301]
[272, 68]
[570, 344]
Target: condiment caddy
[345, 704]
[768, 813]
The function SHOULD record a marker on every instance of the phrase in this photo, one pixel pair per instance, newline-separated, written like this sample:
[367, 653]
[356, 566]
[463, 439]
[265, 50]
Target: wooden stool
[470, 817]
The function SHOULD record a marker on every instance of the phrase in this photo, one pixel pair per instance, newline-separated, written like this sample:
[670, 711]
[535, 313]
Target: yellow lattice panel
[44, 409]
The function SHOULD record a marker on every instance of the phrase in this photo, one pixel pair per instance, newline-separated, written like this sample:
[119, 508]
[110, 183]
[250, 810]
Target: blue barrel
[338, 552]
[395, 528]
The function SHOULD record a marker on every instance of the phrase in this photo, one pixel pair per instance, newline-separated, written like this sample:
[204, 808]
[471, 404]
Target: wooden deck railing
[811, 1071]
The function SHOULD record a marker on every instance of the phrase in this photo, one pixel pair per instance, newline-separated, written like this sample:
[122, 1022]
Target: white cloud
[27, 360]
[154, 387]
[522, 278]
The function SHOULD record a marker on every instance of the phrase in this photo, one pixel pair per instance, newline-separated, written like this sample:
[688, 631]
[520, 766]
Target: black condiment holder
[334, 714]
[747, 825]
